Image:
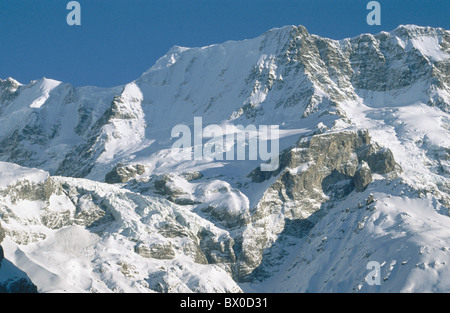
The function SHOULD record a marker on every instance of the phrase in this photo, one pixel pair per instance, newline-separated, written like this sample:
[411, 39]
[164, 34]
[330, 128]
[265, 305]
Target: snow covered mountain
[93, 199]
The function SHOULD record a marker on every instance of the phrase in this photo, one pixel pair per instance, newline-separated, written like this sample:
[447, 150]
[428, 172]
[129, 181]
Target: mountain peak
[412, 31]
[363, 157]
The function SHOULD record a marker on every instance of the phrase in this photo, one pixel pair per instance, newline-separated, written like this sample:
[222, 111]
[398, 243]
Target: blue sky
[118, 40]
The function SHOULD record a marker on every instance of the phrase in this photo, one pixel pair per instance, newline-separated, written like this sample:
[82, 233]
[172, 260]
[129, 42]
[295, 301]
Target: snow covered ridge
[225, 140]
[92, 198]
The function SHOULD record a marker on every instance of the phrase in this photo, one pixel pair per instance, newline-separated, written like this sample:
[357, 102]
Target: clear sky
[118, 40]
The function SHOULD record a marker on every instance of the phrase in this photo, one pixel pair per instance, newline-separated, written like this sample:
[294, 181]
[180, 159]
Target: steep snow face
[341, 197]
[11, 173]
[41, 136]
[43, 89]
[115, 136]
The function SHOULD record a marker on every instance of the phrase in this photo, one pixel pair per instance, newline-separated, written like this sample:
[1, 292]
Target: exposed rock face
[319, 169]
[61, 205]
[123, 173]
[164, 186]
[156, 251]
[379, 160]
[363, 176]
[343, 152]
[191, 176]
[8, 91]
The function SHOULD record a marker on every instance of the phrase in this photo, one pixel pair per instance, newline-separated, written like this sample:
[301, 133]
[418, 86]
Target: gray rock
[163, 187]
[371, 199]
[122, 173]
[182, 201]
[156, 251]
[224, 216]
[128, 270]
[191, 176]
[363, 177]
[194, 251]
[24, 190]
[382, 161]
[217, 249]
[165, 282]
[319, 170]
[143, 251]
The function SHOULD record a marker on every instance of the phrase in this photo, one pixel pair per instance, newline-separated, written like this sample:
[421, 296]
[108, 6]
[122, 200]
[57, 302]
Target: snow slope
[85, 236]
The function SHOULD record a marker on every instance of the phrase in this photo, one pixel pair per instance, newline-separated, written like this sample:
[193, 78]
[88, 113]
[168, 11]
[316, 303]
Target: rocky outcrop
[8, 91]
[122, 173]
[363, 176]
[156, 251]
[326, 158]
[380, 160]
[191, 176]
[319, 170]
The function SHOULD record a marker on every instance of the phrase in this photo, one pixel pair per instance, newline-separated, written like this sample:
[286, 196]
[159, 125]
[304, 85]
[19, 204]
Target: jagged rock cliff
[320, 169]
